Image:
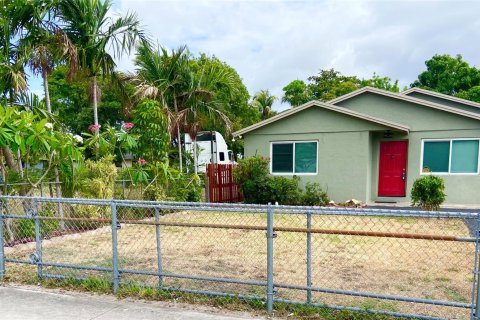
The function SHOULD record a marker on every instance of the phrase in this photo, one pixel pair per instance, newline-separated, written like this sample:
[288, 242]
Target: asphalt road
[33, 303]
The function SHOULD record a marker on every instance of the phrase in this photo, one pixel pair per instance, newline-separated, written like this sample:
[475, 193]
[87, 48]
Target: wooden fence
[220, 185]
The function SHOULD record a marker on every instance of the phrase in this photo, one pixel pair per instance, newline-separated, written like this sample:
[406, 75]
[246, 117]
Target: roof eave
[408, 99]
[327, 106]
[440, 96]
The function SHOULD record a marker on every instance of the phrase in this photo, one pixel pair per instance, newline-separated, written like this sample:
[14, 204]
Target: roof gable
[403, 97]
[441, 97]
[318, 104]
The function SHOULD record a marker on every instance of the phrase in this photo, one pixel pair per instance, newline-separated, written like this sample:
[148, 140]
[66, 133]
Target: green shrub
[314, 195]
[185, 187]
[154, 192]
[26, 228]
[428, 192]
[257, 186]
[250, 169]
[251, 174]
[255, 191]
[283, 190]
[100, 180]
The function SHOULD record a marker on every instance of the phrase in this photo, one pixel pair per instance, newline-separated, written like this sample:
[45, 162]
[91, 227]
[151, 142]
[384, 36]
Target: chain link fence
[393, 262]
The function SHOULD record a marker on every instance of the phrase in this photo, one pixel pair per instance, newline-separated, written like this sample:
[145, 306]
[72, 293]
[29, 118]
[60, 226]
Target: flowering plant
[142, 162]
[94, 128]
[78, 138]
[128, 125]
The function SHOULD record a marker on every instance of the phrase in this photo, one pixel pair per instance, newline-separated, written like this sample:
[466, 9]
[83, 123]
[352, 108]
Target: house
[372, 144]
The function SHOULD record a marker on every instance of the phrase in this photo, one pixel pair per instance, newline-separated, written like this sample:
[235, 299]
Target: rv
[210, 148]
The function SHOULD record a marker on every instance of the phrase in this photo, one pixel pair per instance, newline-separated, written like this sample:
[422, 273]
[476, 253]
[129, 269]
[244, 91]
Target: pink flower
[128, 125]
[94, 128]
[141, 161]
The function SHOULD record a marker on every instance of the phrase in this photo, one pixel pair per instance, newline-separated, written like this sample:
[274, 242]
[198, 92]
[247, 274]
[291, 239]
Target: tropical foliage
[94, 119]
[330, 84]
[452, 76]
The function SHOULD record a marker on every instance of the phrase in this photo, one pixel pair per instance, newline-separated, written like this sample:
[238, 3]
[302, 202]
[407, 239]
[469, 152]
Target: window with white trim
[294, 157]
[451, 156]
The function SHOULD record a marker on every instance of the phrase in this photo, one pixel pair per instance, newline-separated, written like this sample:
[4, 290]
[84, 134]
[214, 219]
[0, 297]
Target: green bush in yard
[283, 190]
[314, 195]
[25, 228]
[251, 174]
[257, 186]
[428, 192]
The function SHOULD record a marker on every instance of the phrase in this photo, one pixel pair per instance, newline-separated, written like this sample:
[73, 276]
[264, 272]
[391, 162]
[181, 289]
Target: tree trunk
[7, 154]
[95, 106]
[47, 93]
[179, 138]
[58, 190]
[195, 155]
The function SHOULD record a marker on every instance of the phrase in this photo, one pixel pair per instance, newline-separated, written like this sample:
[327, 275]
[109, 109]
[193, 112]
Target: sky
[271, 43]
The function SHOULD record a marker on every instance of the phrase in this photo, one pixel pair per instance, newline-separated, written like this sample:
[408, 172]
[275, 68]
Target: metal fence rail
[394, 262]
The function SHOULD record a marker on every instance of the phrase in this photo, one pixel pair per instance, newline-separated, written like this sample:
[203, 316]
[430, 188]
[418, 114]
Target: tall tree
[187, 90]
[13, 79]
[94, 32]
[330, 84]
[450, 75]
[263, 101]
[233, 98]
[160, 75]
[71, 104]
[296, 93]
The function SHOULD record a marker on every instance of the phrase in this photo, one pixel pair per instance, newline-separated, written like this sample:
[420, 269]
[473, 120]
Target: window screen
[464, 156]
[282, 158]
[306, 157]
[436, 156]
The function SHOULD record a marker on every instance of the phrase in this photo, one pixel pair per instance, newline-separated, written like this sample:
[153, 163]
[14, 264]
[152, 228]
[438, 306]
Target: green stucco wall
[417, 117]
[349, 147]
[445, 102]
[344, 153]
[426, 123]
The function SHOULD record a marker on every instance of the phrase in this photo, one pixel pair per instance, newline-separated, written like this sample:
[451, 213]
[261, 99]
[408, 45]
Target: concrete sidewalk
[34, 303]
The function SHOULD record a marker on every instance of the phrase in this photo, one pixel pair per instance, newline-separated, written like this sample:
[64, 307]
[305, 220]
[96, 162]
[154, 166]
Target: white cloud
[271, 43]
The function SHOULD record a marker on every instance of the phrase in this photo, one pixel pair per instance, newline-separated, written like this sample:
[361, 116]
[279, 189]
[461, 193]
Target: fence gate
[220, 185]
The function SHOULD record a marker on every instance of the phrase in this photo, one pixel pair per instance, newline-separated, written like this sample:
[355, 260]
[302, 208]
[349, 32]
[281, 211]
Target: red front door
[392, 169]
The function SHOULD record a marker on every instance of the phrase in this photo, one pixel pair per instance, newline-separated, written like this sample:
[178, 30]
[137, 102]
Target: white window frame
[292, 173]
[450, 158]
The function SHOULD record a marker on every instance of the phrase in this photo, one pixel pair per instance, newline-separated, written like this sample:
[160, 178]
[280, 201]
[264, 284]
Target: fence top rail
[255, 208]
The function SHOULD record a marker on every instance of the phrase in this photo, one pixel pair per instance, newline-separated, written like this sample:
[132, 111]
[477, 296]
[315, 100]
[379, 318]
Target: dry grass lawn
[438, 270]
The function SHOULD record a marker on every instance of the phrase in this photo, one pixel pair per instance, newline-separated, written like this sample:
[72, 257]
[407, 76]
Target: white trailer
[210, 148]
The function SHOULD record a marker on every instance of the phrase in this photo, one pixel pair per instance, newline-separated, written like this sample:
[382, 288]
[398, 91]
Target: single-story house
[372, 144]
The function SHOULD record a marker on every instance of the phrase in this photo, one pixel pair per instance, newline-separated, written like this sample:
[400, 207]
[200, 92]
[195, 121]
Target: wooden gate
[220, 185]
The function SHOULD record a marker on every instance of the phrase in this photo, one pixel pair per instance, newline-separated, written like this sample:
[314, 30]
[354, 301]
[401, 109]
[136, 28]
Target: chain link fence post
[270, 236]
[115, 227]
[476, 281]
[159, 248]
[309, 257]
[2, 252]
[38, 238]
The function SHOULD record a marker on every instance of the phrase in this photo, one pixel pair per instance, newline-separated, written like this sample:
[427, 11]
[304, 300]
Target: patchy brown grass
[438, 270]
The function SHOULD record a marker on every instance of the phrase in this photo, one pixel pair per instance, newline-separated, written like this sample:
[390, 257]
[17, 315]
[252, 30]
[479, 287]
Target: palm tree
[186, 92]
[13, 79]
[199, 103]
[263, 101]
[92, 31]
[160, 75]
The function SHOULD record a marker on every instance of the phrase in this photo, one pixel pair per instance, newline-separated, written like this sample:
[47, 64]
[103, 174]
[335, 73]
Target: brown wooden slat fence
[220, 185]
